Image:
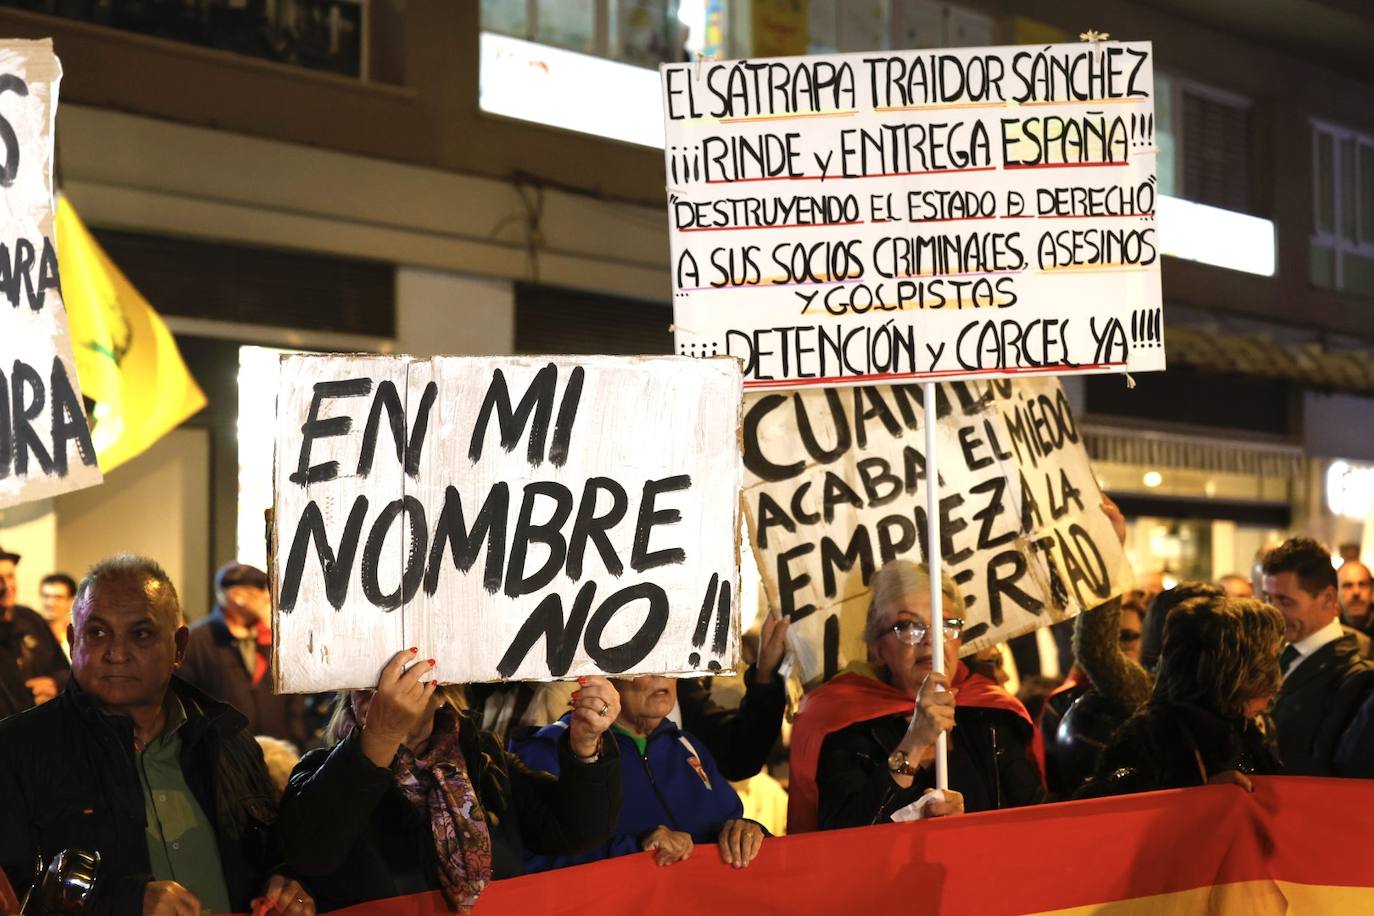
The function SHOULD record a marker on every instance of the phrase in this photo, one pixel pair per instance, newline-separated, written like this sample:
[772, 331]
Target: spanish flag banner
[135, 383]
[1296, 845]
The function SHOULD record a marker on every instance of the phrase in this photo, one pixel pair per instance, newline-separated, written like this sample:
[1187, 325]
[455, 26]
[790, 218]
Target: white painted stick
[937, 612]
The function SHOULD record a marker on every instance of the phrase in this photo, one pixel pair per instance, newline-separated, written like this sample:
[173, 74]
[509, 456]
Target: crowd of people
[163, 747]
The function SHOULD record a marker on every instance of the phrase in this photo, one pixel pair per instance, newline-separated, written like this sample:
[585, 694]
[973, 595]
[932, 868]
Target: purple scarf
[437, 785]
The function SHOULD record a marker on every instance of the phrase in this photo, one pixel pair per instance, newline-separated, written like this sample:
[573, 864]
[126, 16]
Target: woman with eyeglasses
[864, 748]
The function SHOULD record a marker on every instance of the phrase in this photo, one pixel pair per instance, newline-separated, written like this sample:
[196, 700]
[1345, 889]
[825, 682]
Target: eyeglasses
[912, 632]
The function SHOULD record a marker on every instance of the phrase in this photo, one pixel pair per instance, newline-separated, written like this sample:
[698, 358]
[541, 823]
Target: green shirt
[641, 741]
[181, 840]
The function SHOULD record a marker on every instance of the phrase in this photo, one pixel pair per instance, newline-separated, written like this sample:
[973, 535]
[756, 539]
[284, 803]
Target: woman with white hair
[864, 748]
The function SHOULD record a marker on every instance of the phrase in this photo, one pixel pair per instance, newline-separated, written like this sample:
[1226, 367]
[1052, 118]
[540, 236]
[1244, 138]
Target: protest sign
[922, 215]
[45, 442]
[835, 486]
[515, 518]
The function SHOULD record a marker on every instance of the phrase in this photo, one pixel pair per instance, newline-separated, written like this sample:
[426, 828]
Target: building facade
[430, 176]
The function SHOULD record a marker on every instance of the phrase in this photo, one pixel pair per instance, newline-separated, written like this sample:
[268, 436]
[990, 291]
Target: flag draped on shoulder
[136, 385]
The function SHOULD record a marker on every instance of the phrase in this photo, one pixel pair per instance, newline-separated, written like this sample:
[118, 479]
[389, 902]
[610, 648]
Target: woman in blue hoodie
[675, 796]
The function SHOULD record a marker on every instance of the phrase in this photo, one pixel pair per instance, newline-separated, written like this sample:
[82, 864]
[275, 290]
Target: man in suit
[1325, 680]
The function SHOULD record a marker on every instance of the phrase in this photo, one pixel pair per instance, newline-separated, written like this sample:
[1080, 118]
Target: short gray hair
[893, 582]
[130, 569]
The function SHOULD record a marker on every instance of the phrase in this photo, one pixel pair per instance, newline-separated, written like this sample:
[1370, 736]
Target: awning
[1312, 364]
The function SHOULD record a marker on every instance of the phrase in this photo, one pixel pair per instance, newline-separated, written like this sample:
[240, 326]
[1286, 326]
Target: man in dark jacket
[229, 656]
[135, 764]
[35, 667]
[742, 738]
[1324, 678]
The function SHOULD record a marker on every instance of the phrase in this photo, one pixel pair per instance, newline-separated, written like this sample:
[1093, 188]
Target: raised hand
[934, 713]
[772, 648]
[1115, 516]
[397, 707]
[595, 705]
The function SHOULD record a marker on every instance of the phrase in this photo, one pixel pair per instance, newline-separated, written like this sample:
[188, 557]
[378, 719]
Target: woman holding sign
[863, 748]
[411, 796]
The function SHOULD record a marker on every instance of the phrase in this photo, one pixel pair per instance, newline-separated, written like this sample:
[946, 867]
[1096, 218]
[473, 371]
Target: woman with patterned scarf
[411, 796]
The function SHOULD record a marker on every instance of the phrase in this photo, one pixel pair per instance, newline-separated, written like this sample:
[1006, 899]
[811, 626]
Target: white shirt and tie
[1309, 644]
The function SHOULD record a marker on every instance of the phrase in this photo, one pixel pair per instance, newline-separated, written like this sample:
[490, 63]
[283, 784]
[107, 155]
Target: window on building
[1203, 163]
[1342, 256]
[1204, 143]
[932, 24]
[555, 62]
[640, 32]
[318, 34]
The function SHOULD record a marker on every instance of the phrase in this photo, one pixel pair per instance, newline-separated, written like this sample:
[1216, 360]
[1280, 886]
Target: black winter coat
[989, 763]
[740, 739]
[27, 650]
[214, 664]
[68, 779]
[1319, 700]
[353, 836]
[1177, 745]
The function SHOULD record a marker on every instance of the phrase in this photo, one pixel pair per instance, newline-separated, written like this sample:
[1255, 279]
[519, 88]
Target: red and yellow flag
[1296, 845]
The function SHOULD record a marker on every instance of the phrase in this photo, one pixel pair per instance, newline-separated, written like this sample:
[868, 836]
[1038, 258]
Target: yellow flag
[126, 359]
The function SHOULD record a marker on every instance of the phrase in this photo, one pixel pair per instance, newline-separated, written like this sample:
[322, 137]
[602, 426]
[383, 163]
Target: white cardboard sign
[918, 215]
[45, 442]
[835, 486]
[515, 518]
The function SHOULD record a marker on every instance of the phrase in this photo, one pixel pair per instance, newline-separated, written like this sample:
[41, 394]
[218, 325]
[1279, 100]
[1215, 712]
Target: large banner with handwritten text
[835, 486]
[514, 518]
[45, 441]
[923, 215]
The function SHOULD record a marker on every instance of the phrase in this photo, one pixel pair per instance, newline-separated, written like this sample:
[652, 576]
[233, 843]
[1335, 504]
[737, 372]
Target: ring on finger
[605, 708]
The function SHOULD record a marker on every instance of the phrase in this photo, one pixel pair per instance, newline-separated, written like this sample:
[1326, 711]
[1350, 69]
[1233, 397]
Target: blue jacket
[675, 783]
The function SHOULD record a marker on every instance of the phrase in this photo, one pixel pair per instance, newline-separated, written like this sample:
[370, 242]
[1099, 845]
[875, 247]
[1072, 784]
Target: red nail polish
[414, 649]
[576, 693]
[431, 663]
[582, 681]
